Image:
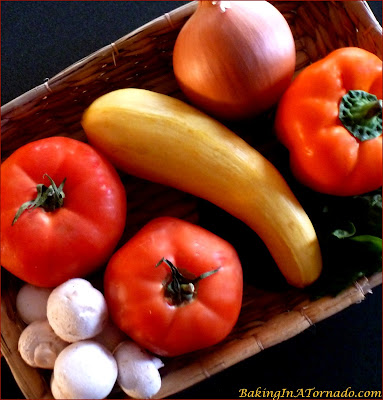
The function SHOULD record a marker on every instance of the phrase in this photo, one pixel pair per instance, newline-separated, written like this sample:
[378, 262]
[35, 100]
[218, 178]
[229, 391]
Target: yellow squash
[164, 140]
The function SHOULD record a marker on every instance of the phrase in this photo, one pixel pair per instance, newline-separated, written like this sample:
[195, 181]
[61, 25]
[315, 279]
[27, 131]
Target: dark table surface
[40, 39]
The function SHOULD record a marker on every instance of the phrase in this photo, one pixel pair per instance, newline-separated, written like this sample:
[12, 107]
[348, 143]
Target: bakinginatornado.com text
[309, 393]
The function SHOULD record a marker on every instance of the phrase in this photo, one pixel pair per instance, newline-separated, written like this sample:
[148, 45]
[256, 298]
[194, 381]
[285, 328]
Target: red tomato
[141, 290]
[46, 248]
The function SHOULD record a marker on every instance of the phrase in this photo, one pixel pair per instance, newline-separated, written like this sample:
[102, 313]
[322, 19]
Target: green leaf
[350, 234]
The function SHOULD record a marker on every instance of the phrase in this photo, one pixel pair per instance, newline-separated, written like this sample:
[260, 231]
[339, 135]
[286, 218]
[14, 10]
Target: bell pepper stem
[361, 114]
[366, 111]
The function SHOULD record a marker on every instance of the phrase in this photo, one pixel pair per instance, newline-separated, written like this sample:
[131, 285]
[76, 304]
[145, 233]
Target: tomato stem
[180, 289]
[361, 114]
[49, 198]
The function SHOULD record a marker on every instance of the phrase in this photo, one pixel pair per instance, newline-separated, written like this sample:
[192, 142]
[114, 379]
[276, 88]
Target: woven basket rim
[301, 313]
[49, 83]
[360, 7]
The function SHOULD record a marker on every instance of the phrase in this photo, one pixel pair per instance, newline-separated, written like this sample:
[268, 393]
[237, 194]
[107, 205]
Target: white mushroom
[111, 336]
[138, 374]
[76, 310]
[84, 370]
[39, 346]
[31, 303]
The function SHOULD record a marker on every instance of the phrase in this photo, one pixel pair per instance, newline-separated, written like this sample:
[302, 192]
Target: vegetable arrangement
[196, 154]
[175, 287]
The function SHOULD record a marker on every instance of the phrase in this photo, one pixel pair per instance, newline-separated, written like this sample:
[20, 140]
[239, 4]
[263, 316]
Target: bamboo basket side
[143, 58]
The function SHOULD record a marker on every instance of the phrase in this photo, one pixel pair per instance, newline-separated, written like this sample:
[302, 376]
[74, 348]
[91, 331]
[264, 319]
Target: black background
[38, 40]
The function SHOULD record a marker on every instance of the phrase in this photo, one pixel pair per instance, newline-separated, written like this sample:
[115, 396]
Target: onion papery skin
[234, 64]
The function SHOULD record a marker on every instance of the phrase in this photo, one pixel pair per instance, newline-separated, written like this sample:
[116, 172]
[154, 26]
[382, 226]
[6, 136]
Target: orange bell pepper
[330, 120]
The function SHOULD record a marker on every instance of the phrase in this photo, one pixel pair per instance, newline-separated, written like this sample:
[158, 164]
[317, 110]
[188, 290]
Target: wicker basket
[143, 59]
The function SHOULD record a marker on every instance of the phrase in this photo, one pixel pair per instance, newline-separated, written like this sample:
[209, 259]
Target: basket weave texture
[143, 59]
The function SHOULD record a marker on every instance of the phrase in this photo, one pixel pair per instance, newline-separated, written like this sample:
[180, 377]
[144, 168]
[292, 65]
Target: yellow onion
[234, 59]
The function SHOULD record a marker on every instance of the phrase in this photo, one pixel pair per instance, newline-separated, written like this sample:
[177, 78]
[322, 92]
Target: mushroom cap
[31, 303]
[138, 374]
[39, 346]
[76, 310]
[84, 370]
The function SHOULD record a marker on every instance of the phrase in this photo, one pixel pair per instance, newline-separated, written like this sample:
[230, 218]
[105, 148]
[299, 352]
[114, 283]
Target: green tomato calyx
[179, 289]
[49, 198]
